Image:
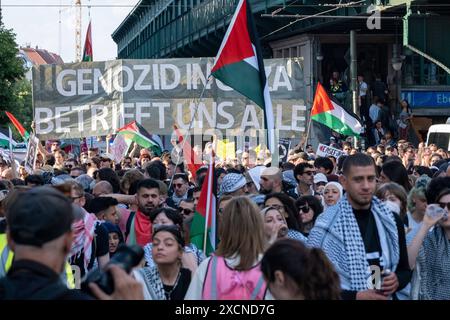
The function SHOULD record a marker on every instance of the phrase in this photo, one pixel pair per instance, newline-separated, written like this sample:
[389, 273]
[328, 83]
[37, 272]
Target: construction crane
[78, 30]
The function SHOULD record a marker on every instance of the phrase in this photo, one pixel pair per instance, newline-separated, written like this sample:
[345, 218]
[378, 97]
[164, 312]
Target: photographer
[39, 232]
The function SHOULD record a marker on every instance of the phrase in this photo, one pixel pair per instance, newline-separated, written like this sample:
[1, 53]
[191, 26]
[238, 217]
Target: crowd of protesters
[310, 228]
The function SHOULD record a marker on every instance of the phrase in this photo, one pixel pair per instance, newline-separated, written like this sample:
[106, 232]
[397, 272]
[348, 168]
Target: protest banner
[284, 145]
[119, 148]
[325, 151]
[97, 98]
[30, 158]
[225, 149]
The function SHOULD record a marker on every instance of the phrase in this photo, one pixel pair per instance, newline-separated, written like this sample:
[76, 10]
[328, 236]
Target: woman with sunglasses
[286, 206]
[191, 257]
[429, 254]
[309, 208]
[167, 279]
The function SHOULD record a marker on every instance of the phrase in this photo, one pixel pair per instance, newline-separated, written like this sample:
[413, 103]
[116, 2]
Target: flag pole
[309, 127]
[200, 99]
[208, 201]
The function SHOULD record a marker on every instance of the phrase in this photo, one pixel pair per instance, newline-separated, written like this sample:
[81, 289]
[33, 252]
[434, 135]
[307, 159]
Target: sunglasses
[69, 166]
[304, 209]
[185, 211]
[443, 205]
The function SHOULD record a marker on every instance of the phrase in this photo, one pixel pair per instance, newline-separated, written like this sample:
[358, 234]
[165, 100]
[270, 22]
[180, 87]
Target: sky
[39, 26]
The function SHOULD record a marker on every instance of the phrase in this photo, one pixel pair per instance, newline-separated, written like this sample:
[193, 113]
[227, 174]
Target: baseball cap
[320, 177]
[39, 215]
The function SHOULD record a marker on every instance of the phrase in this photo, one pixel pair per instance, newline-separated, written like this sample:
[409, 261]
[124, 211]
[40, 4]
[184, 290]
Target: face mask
[392, 206]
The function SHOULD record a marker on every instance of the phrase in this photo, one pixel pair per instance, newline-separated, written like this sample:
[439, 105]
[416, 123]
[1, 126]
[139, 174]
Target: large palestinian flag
[239, 64]
[204, 222]
[87, 53]
[137, 133]
[332, 115]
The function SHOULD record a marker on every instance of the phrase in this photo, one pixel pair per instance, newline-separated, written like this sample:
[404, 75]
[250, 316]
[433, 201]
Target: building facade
[388, 44]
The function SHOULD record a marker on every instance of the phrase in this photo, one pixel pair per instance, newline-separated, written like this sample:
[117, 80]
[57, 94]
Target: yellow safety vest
[6, 259]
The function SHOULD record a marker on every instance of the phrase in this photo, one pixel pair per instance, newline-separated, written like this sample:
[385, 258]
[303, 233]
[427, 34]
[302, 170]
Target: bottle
[434, 211]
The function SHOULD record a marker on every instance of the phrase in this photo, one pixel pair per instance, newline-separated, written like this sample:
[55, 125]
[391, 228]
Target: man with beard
[139, 227]
[271, 181]
[363, 239]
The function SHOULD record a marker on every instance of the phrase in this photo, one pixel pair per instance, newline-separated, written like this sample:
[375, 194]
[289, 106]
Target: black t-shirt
[181, 287]
[369, 234]
[100, 247]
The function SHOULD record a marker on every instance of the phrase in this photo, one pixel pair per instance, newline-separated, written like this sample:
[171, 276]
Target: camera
[126, 257]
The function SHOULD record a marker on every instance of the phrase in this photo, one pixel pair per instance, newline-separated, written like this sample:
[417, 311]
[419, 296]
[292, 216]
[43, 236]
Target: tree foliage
[15, 89]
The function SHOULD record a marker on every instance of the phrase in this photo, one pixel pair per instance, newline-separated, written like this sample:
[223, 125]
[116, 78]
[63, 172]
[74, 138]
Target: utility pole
[354, 76]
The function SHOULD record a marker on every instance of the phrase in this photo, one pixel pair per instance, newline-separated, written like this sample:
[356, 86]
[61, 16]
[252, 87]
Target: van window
[441, 139]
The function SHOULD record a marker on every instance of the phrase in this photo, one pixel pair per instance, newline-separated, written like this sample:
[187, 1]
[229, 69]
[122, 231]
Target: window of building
[418, 71]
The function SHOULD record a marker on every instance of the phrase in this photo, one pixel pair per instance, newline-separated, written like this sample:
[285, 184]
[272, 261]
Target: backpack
[225, 283]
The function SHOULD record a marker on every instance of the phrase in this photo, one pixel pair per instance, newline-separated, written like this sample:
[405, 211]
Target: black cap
[39, 216]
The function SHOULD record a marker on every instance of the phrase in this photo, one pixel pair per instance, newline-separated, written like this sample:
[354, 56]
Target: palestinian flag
[192, 161]
[332, 115]
[135, 132]
[239, 64]
[203, 226]
[87, 53]
[24, 133]
[5, 141]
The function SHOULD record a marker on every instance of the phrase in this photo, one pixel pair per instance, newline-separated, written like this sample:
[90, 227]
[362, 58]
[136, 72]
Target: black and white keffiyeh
[153, 282]
[431, 279]
[336, 231]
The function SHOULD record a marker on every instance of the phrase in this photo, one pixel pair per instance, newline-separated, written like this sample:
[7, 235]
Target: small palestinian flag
[24, 133]
[135, 132]
[87, 53]
[193, 162]
[204, 224]
[239, 65]
[332, 115]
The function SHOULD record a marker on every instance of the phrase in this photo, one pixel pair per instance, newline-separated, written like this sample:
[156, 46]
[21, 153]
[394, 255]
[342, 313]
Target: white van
[439, 134]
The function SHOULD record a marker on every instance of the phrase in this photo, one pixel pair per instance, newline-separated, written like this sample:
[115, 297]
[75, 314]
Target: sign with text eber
[325, 151]
[97, 98]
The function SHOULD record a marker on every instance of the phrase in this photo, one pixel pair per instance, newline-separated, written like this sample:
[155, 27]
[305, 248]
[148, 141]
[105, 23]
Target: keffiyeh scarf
[336, 231]
[431, 279]
[153, 282]
[84, 230]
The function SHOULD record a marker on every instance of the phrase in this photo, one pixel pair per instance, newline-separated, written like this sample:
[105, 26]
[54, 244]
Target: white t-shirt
[363, 89]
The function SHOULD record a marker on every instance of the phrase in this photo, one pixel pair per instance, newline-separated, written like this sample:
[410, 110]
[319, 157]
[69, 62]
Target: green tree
[15, 90]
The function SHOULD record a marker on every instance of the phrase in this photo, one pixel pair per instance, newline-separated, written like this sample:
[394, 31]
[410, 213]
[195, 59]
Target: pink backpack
[224, 283]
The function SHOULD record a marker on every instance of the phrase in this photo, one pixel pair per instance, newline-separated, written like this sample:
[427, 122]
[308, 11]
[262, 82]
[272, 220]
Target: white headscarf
[334, 184]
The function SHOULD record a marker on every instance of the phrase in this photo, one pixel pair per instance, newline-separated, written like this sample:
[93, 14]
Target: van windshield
[441, 139]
